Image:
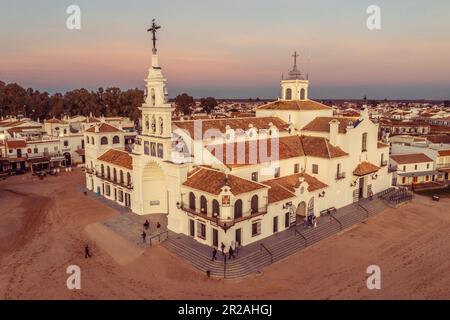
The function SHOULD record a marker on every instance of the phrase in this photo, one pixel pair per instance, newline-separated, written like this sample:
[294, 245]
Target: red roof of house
[16, 144]
[212, 181]
[411, 158]
[103, 128]
[365, 168]
[303, 105]
[118, 158]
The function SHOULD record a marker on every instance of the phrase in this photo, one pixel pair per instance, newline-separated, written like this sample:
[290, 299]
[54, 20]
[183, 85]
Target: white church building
[238, 179]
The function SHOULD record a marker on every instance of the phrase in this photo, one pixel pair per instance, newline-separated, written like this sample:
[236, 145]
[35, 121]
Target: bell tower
[156, 111]
[295, 87]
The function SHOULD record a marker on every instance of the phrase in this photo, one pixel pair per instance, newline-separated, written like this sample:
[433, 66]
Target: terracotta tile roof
[411, 158]
[288, 147]
[16, 144]
[295, 105]
[381, 145]
[211, 181]
[321, 148]
[444, 153]
[103, 128]
[118, 158]
[322, 124]
[284, 187]
[54, 120]
[365, 168]
[439, 138]
[233, 123]
[90, 120]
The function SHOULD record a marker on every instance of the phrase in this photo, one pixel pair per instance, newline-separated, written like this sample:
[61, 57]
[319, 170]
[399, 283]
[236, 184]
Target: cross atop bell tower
[153, 30]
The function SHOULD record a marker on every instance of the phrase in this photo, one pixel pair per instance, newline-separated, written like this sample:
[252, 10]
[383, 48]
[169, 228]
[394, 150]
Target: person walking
[146, 225]
[214, 254]
[315, 221]
[87, 253]
[144, 236]
[158, 226]
[222, 247]
[231, 253]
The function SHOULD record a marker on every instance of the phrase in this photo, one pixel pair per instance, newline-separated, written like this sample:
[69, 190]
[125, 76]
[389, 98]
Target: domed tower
[295, 86]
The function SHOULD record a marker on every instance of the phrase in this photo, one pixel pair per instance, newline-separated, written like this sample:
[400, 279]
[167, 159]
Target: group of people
[232, 250]
[146, 228]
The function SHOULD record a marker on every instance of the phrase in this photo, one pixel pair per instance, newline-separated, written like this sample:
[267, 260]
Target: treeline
[16, 100]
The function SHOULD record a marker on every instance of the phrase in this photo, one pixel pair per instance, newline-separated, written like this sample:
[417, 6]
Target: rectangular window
[296, 168]
[201, 230]
[107, 190]
[255, 176]
[315, 168]
[256, 228]
[428, 166]
[415, 167]
[160, 151]
[153, 149]
[146, 147]
[120, 196]
[35, 150]
[66, 143]
[404, 168]
[277, 172]
[364, 142]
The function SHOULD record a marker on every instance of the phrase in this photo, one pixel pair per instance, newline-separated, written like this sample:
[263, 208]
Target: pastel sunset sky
[231, 49]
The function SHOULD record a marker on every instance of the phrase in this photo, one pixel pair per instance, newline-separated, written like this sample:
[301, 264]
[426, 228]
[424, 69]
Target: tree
[185, 102]
[208, 104]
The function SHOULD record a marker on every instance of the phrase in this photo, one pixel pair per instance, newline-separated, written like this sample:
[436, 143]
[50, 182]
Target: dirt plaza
[45, 224]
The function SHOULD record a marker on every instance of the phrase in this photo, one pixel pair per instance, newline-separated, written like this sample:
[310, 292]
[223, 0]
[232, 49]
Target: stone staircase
[299, 238]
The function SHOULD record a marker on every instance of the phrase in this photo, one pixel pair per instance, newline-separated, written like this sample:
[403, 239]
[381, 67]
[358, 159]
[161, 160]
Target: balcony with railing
[124, 184]
[340, 175]
[220, 222]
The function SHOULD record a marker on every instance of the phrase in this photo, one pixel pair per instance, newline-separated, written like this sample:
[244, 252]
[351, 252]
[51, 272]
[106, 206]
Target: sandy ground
[43, 231]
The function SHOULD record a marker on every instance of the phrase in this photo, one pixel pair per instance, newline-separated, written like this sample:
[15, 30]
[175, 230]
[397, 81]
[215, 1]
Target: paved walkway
[130, 225]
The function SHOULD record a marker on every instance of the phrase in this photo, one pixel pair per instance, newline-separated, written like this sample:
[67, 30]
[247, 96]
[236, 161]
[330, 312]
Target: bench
[328, 211]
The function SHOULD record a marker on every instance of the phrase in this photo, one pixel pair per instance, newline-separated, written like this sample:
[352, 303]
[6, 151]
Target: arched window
[104, 141]
[311, 207]
[108, 172]
[288, 94]
[216, 207]
[121, 177]
[153, 97]
[191, 201]
[116, 139]
[203, 205]
[103, 170]
[161, 126]
[153, 124]
[87, 140]
[128, 179]
[254, 204]
[302, 94]
[238, 209]
[115, 175]
[92, 140]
